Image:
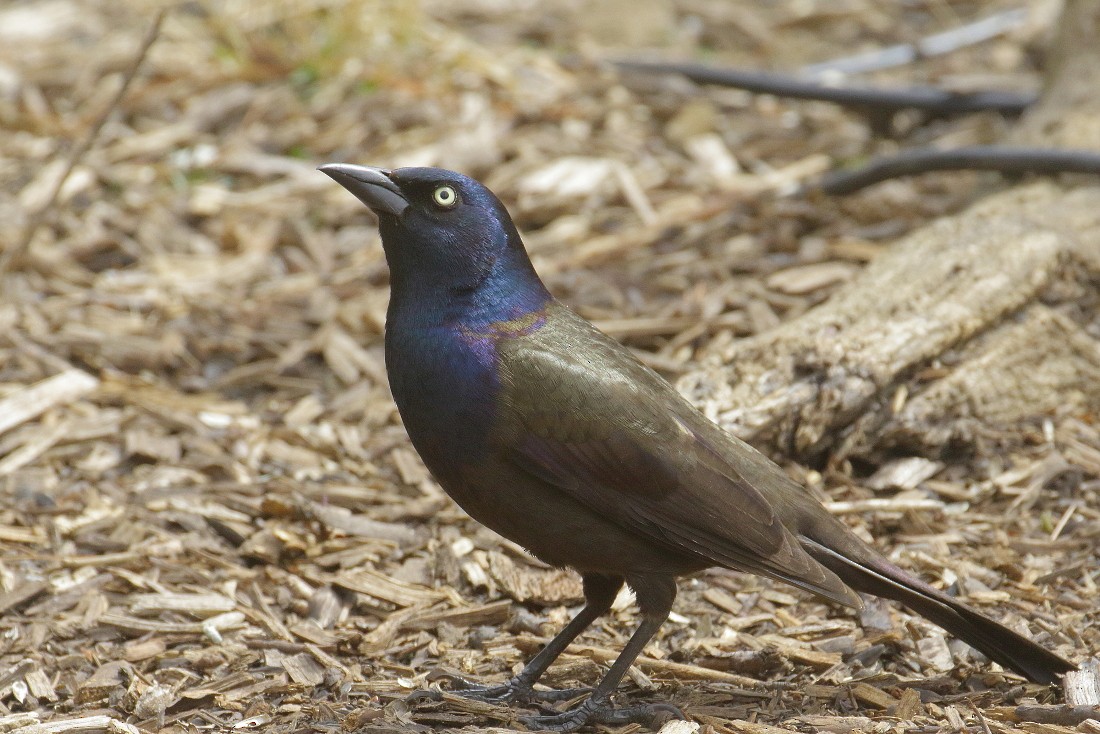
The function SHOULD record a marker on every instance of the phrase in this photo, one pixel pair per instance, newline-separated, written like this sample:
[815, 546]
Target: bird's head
[443, 232]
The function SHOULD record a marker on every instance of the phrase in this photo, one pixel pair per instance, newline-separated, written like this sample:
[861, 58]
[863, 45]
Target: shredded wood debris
[210, 516]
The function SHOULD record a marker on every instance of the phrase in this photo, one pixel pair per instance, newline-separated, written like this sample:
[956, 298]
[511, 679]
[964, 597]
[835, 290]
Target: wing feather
[599, 426]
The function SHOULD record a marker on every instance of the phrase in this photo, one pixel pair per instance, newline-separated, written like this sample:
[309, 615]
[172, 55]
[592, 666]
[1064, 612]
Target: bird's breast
[446, 382]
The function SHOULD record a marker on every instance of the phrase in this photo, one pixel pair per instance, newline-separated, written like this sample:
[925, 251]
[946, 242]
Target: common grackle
[552, 434]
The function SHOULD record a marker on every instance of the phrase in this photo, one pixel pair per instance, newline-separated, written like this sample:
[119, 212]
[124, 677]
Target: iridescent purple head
[443, 233]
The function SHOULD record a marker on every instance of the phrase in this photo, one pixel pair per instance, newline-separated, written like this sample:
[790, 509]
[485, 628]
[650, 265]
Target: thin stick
[38, 218]
[1005, 159]
[928, 99]
[935, 45]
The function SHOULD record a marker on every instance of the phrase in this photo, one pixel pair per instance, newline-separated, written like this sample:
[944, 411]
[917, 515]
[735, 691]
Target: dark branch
[929, 99]
[1004, 159]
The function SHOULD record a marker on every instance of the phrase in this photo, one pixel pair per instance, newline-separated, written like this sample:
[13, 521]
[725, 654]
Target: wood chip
[310, 632]
[155, 700]
[809, 278]
[380, 586]
[905, 473]
[836, 724]
[909, 705]
[303, 669]
[935, 652]
[40, 685]
[724, 600]
[872, 696]
[21, 595]
[491, 613]
[327, 607]
[107, 677]
[151, 446]
[229, 620]
[877, 504]
[136, 650]
[198, 605]
[799, 654]
[16, 534]
[526, 583]
[339, 518]
[79, 725]
[1082, 686]
[30, 402]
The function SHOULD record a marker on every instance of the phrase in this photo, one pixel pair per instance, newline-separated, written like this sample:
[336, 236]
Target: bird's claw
[515, 690]
[589, 712]
[425, 696]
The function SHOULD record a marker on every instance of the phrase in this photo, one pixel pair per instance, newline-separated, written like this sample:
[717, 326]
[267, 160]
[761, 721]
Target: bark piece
[1032, 365]
[1082, 686]
[526, 583]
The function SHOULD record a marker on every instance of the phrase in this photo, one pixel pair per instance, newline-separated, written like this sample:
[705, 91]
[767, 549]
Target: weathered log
[965, 296]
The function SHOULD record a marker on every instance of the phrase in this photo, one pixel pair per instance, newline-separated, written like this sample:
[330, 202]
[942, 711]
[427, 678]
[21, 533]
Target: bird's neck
[509, 291]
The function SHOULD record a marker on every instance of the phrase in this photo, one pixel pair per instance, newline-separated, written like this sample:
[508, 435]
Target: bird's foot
[602, 712]
[516, 690]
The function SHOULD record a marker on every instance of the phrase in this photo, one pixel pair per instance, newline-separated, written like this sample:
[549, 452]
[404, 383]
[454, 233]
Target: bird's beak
[372, 186]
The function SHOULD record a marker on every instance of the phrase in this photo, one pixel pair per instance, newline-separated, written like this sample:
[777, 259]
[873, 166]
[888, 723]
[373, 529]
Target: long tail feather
[872, 574]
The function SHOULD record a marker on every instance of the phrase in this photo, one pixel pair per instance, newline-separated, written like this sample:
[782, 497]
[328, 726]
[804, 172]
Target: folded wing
[616, 437]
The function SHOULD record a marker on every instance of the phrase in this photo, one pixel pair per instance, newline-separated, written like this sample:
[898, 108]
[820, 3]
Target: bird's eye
[445, 196]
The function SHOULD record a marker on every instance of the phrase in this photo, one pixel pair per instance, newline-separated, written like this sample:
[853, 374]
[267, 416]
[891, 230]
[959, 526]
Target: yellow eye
[445, 196]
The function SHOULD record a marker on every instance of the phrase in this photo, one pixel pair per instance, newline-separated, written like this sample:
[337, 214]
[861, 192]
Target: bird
[557, 437]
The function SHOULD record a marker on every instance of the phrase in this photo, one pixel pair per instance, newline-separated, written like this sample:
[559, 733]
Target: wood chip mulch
[210, 516]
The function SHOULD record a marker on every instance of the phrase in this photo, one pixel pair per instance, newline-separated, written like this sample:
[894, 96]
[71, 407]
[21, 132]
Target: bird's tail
[873, 574]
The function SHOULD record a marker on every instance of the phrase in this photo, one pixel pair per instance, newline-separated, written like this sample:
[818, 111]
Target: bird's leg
[599, 593]
[655, 595]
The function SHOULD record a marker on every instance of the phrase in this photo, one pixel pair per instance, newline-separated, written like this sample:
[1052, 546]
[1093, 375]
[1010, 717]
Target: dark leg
[655, 595]
[599, 592]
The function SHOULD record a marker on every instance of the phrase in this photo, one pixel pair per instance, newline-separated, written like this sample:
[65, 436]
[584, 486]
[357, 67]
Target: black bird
[552, 434]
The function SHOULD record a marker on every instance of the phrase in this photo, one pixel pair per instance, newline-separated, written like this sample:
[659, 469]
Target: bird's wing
[580, 413]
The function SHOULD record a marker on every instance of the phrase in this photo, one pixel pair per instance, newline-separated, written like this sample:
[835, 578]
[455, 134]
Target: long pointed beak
[372, 186]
